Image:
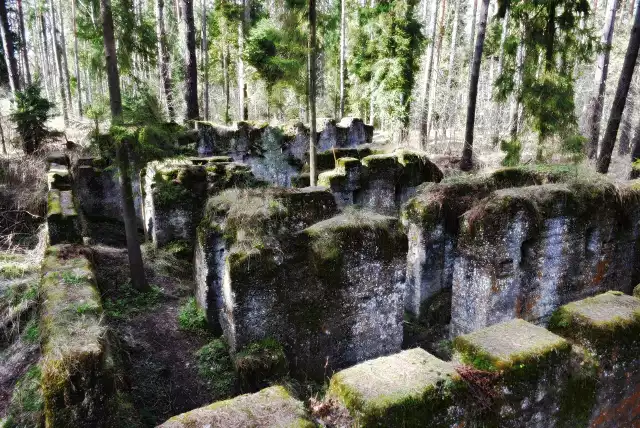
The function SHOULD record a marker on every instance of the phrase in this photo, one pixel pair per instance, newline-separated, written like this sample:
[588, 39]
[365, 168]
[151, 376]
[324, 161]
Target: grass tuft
[216, 369]
[191, 318]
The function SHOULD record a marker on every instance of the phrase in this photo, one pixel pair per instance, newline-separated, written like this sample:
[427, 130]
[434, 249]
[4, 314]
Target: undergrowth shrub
[30, 113]
[191, 318]
[215, 367]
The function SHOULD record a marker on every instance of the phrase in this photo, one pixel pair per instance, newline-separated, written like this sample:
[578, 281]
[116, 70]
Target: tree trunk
[243, 106]
[163, 59]
[434, 85]
[136, 267]
[594, 111]
[428, 69]
[75, 57]
[497, 113]
[515, 100]
[205, 61]
[7, 46]
[454, 43]
[343, 43]
[227, 84]
[45, 57]
[620, 98]
[23, 45]
[313, 136]
[626, 130]
[65, 64]
[466, 163]
[58, 59]
[635, 152]
[190, 63]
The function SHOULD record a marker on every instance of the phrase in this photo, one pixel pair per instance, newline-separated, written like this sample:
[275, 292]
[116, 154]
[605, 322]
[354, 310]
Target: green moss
[32, 332]
[128, 302]
[606, 324]
[192, 318]
[260, 363]
[636, 291]
[26, 405]
[216, 368]
[579, 396]
[54, 206]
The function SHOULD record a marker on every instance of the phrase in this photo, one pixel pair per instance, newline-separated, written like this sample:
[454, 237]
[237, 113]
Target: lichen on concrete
[271, 407]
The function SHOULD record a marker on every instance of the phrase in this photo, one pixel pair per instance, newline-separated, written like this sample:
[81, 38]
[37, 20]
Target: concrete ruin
[529, 271]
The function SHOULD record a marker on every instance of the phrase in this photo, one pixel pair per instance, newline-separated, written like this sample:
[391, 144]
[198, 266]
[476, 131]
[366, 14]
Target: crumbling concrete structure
[523, 252]
[255, 246]
[176, 190]
[379, 182]
[62, 217]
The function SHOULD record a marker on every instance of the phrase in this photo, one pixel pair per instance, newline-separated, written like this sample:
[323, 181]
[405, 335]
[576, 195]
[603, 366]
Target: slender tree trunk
[620, 98]
[466, 163]
[205, 60]
[65, 64]
[243, 26]
[45, 56]
[343, 48]
[313, 136]
[635, 152]
[191, 65]
[58, 60]
[428, 69]
[163, 59]
[515, 97]
[627, 117]
[497, 107]
[472, 35]
[136, 267]
[227, 84]
[454, 44]
[23, 45]
[75, 57]
[434, 83]
[594, 110]
[7, 46]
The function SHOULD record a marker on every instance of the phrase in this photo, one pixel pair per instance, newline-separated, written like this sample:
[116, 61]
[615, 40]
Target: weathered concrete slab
[608, 325]
[271, 407]
[409, 389]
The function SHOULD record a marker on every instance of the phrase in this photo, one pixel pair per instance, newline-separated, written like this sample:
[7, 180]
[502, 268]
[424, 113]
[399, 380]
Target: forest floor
[160, 368]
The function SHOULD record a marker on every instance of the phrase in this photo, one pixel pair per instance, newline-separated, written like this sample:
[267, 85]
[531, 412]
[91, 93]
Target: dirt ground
[159, 358]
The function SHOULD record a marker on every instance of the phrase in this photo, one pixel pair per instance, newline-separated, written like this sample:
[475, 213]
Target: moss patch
[260, 364]
[216, 368]
[192, 318]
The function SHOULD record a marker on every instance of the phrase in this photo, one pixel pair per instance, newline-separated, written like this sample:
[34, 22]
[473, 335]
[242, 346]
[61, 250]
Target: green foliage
[386, 55]
[216, 368]
[513, 150]
[128, 302]
[555, 35]
[98, 111]
[276, 54]
[192, 318]
[573, 146]
[26, 405]
[142, 108]
[260, 363]
[32, 332]
[30, 113]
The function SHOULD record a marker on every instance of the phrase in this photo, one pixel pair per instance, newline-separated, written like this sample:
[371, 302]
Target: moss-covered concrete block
[77, 369]
[636, 291]
[608, 325]
[524, 252]
[537, 375]
[409, 389]
[253, 245]
[62, 218]
[176, 190]
[271, 407]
